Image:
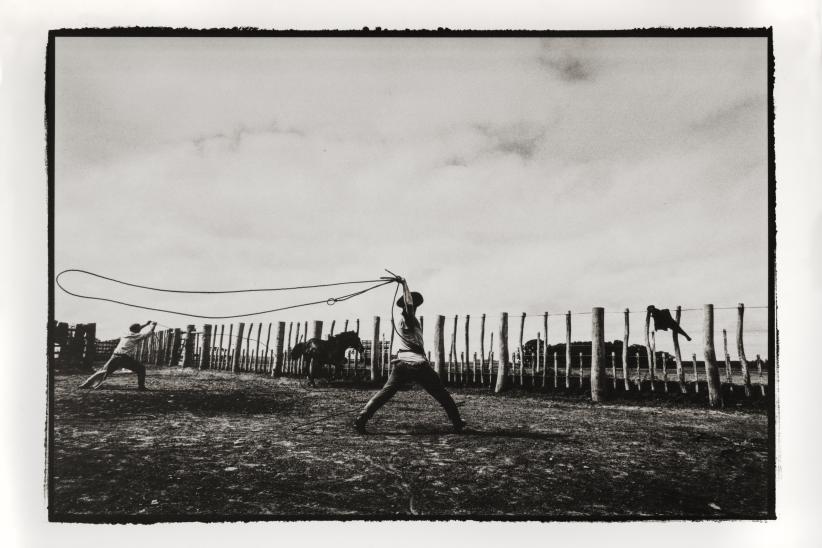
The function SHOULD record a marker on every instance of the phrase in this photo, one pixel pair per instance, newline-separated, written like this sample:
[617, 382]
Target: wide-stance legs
[401, 374]
[113, 364]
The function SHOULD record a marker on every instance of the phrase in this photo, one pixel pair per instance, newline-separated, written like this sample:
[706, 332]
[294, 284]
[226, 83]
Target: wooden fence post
[76, 345]
[711, 370]
[91, 344]
[467, 347]
[519, 350]
[759, 370]
[545, 349]
[268, 366]
[653, 357]
[205, 354]
[613, 368]
[169, 346]
[482, 348]
[277, 368]
[439, 346]
[176, 339]
[188, 356]
[665, 371]
[625, 335]
[568, 349]
[728, 373]
[220, 351]
[648, 350]
[257, 347]
[452, 355]
[556, 371]
[680, 370]
[502, 368]
[599, 388]
[536, 362]
[375, 350]
[696, 373]
[740, 348]
[638, 373]
[316, 333]
[331, 331]
[238, 347]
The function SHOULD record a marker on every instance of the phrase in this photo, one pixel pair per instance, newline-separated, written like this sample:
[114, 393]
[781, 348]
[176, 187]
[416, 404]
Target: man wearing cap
[411, 365]
[123, 357]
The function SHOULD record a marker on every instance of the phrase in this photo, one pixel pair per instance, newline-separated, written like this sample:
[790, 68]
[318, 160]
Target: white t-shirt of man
[127, 346]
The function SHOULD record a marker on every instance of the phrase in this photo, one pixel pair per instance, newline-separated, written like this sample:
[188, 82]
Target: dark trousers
[114, 363]
[403, 373]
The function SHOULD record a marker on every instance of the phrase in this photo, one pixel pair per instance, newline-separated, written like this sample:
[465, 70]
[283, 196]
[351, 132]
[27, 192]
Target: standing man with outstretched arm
[410, 365]
[123, 357]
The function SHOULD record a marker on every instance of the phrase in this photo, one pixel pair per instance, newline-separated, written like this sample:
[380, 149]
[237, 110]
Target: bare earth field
[216, 446]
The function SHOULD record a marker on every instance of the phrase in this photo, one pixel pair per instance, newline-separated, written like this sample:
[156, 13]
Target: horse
[319, 352]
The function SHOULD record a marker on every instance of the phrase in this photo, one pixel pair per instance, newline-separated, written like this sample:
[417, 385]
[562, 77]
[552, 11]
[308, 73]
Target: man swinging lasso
[410, 365]
[123, 358]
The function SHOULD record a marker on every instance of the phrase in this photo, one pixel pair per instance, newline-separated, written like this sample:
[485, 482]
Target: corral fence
[602, 367]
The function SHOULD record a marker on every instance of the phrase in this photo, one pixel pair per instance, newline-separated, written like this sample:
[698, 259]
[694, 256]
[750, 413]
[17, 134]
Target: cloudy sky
[496, 174]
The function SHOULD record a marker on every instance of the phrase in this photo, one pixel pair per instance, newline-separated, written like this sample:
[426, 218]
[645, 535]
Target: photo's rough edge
[661, 32]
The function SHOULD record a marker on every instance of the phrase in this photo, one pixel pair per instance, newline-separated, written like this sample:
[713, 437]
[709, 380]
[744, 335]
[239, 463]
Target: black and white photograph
[385, 275]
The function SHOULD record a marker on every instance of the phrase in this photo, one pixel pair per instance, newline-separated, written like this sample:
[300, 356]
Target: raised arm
[150, 331]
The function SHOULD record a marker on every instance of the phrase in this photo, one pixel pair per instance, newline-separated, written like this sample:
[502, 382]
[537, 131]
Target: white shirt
[129, 342]
[410, 345]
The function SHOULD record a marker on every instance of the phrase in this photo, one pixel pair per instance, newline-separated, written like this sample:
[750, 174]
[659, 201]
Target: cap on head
[135, 328]
[417, 298]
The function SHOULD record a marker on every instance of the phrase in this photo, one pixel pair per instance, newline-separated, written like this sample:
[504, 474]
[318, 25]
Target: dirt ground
[211, 445]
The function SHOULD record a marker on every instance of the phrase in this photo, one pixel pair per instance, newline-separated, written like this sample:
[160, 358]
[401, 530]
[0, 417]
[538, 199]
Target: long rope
[216, 292]
[329, 301]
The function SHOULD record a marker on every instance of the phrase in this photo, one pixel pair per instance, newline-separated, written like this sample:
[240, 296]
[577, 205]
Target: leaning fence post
[277, 368]
[188, 357]
[439, 345]
[740, 348]
[375, 349]
[711, 370]
[205, 354]
[599, 388]
[267, 365]
[568, 349]
[238, 347]
[502, 368]
[680, 370]
[625, 335]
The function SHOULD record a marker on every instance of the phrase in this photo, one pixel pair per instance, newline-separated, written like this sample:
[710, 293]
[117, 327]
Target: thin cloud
[233, 139]
[568, 68]
[730, 115]
[516, 139]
